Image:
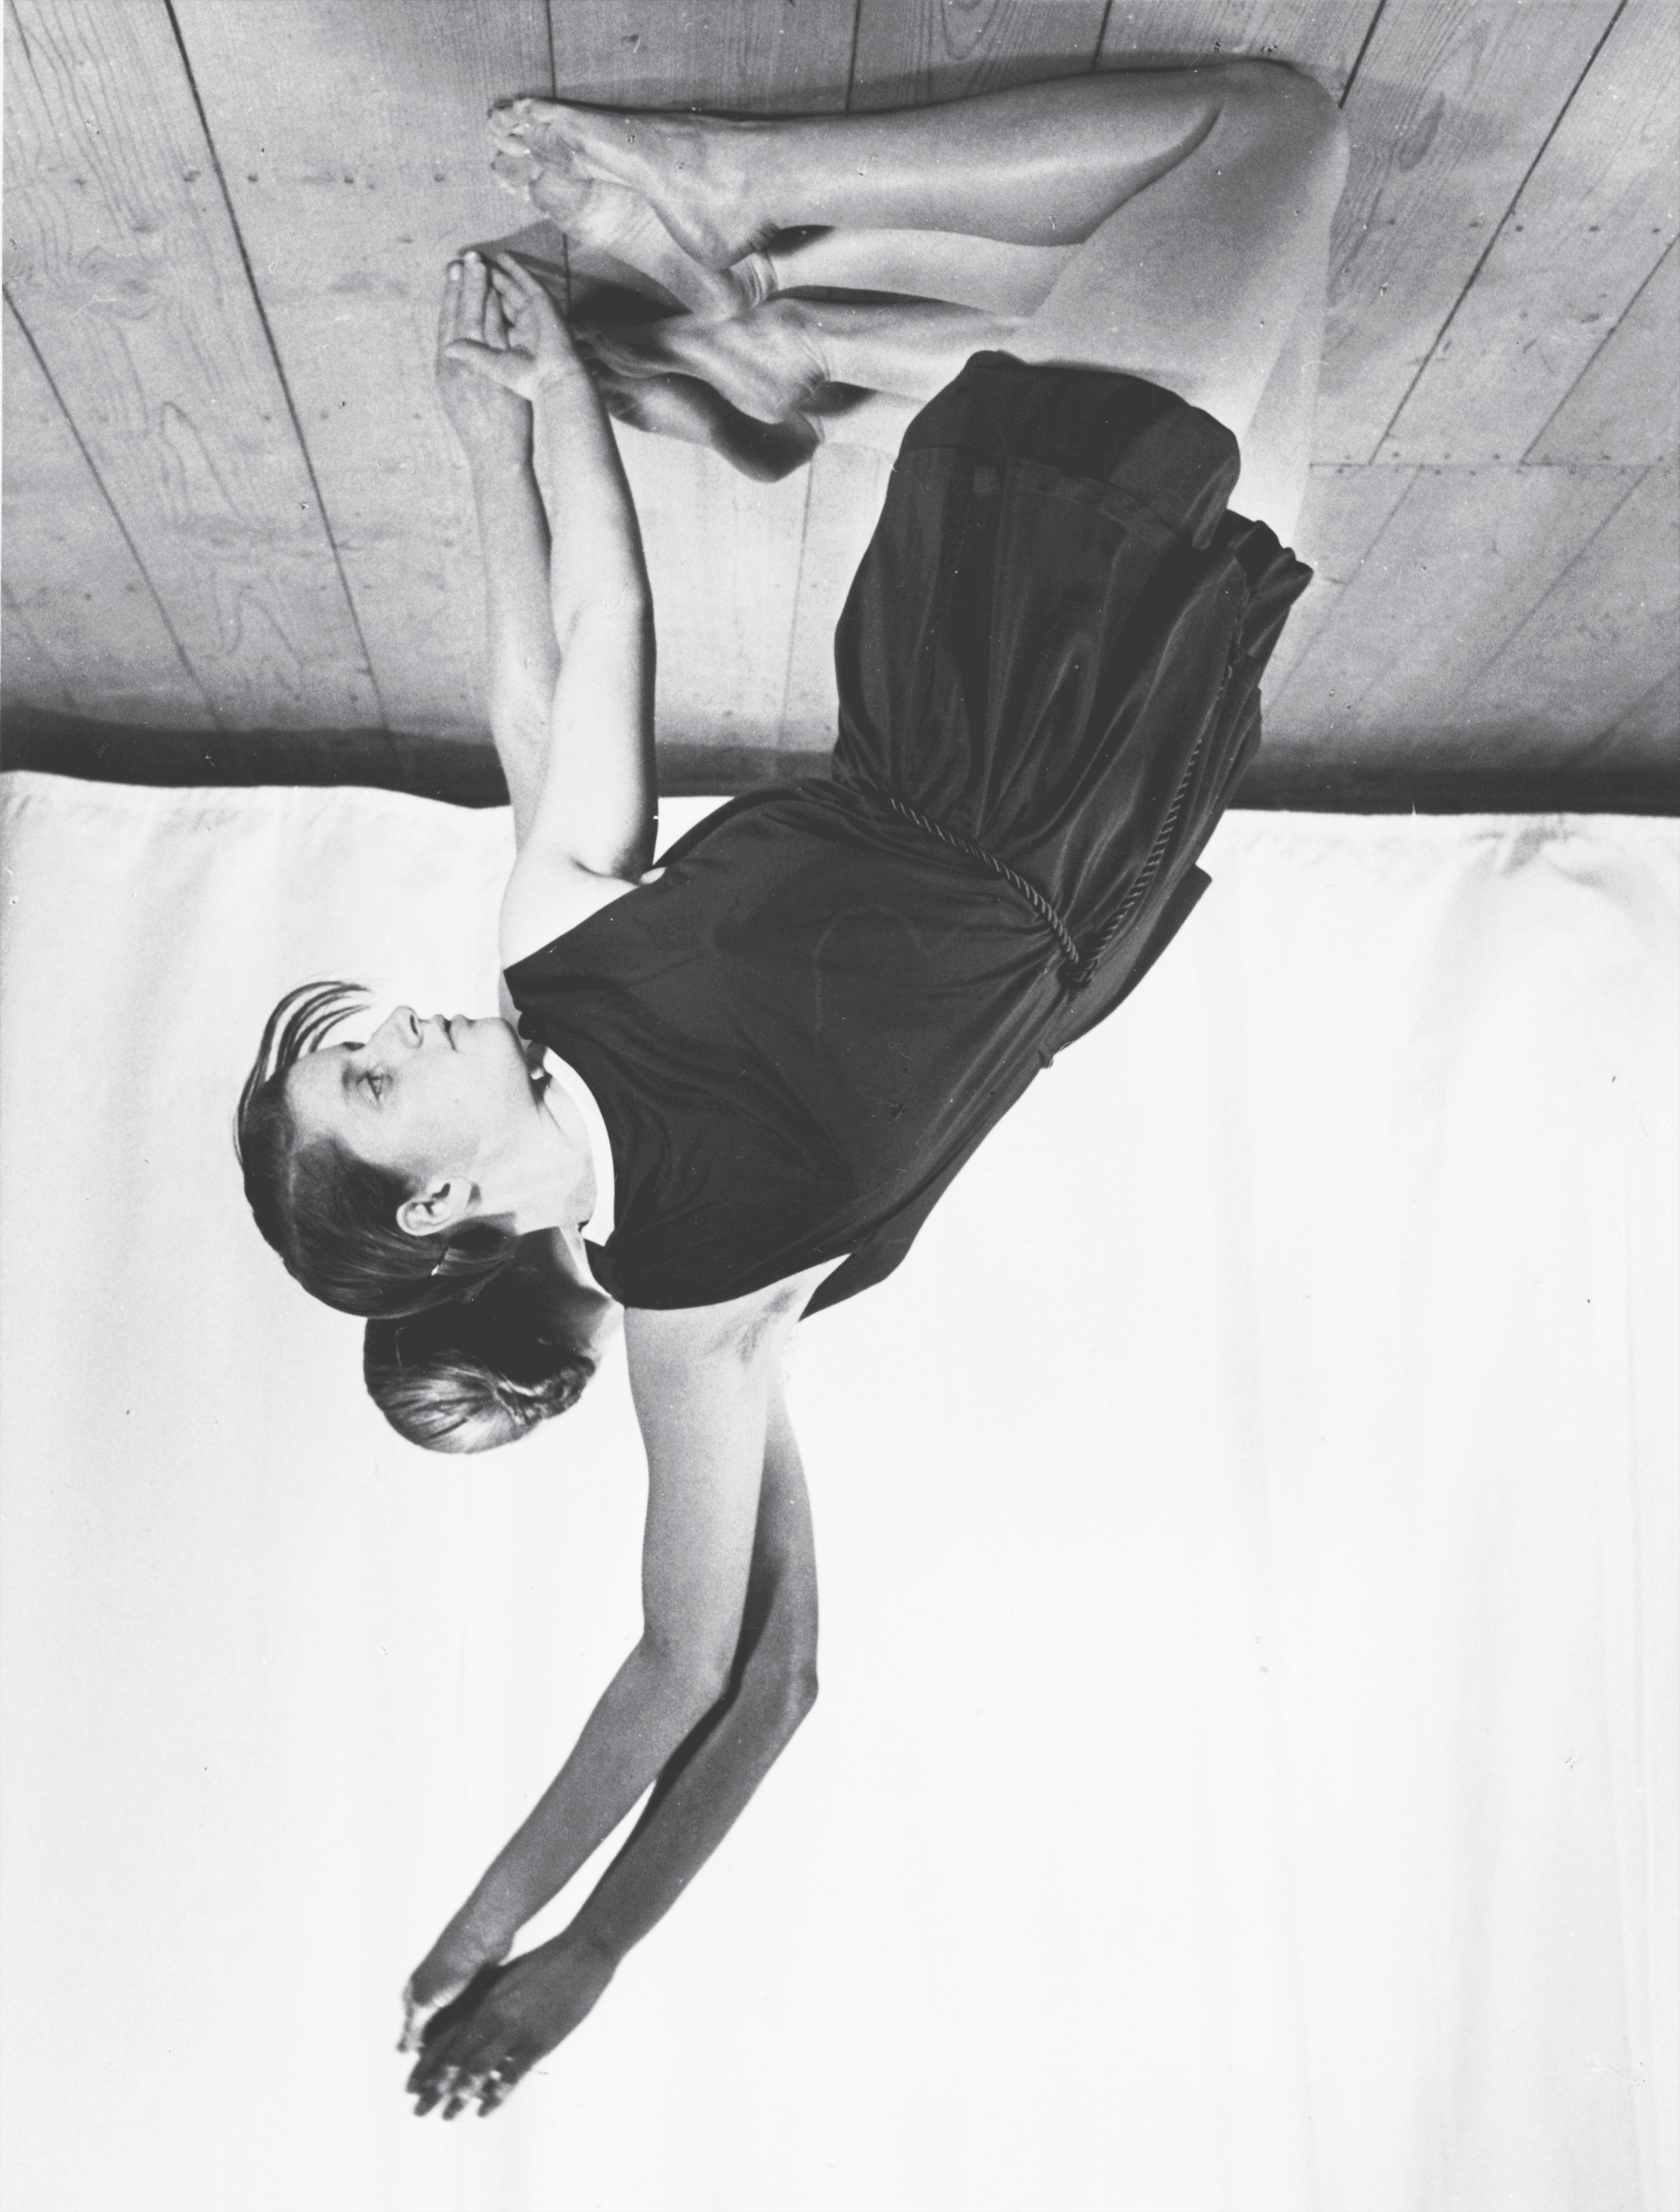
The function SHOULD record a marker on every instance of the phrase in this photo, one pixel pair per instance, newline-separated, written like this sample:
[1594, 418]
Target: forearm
[596, 563]
[522, 658]
[597, 806]
[646, 1712]
[702, 1793]
[706, 1786]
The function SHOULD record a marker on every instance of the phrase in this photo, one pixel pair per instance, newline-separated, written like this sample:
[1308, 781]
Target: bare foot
[613, 220]
[769, 363]
[690, 169]
[680, 407]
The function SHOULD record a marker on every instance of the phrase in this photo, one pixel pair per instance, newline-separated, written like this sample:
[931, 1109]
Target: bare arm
[482, 2048]
[493, 423]
[590, 830]
[702, 1384]
[773, 1686]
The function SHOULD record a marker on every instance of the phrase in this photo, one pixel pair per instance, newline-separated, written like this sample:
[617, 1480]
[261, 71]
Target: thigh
[1277, 445]
[1199, 281]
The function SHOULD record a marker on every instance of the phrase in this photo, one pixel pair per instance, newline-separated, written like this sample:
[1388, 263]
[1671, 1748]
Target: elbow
[800, 1694]
[689, 1683]
[619, 610]
[792, 1692]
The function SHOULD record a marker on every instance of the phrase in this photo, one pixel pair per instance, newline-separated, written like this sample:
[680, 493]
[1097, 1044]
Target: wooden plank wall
[232, 504]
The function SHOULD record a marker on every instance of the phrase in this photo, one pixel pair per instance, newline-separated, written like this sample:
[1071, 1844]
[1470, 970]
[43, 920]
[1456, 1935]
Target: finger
[440, 2055]
[519, 277]
[463, 2049]
[449, 313]
[500, 368]
[498, 2086]
[496, 322]
[474, 285]
[429, 2098]
[514, 302]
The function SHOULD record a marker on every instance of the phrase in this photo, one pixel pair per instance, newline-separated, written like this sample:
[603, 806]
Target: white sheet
[1244, 1778]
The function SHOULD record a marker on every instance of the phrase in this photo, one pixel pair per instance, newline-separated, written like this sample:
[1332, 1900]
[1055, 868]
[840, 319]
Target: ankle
[745, 173]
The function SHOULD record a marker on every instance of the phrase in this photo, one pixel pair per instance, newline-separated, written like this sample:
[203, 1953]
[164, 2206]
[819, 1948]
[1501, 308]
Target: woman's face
[421, 1098]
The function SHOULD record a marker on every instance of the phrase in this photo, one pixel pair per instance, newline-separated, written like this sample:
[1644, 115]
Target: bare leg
[1198, 282]
[1278, 445]
[924, 264]
[1041, 165]
[682, 407]
[1204, 276]
[1200, 200]
[613, 220]
[774, 360]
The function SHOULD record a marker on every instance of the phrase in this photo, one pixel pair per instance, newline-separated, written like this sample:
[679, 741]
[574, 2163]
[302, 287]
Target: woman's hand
[481, 2048]
[527, 344]
[491, 420]
[448, 1969]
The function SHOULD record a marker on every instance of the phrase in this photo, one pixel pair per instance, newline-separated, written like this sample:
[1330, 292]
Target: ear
[443, 1203]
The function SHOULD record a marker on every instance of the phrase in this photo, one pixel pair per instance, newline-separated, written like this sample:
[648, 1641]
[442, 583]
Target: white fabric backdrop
[1244, 1778]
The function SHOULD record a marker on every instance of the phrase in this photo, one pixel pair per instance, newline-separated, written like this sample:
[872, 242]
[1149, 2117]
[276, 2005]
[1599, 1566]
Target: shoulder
[544, 901]
[740, 1331]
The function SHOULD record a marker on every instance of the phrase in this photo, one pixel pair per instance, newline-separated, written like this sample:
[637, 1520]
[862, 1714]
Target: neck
[545, 1178]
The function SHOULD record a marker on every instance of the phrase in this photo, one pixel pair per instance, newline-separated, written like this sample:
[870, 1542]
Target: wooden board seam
[1469, 285]
[304, 453]
[1539, 438]
[99, 483]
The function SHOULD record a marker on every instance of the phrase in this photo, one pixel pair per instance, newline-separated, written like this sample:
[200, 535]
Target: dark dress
[1048, 668]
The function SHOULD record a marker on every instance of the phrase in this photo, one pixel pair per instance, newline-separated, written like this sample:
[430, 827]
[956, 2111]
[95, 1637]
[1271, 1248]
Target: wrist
[556, 378]
[485, 1926]
[501, 444]
[588, 1943]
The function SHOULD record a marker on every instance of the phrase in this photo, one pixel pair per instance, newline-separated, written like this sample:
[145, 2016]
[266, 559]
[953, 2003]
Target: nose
[401, 1026]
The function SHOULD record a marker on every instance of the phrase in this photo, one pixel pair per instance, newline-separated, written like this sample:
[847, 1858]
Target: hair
[482, 1370]
[332, 1216]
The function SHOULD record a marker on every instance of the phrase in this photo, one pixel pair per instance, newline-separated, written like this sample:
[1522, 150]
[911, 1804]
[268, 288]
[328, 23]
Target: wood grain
[1322, 38]
[33, 677]
[723, 560]
[724, 554]
[1599, 209]
[848, 485]
[1650, 725]
[1626, 404]
[123, 264]
[349, 215]
[84, 627]
[761, 57]
[911, 52]
[1345, 514]
[1467, 557]
[1603, 634]
[1453, 102]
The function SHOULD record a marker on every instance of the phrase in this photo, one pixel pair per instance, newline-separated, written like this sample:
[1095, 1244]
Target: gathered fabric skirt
[1054, 644]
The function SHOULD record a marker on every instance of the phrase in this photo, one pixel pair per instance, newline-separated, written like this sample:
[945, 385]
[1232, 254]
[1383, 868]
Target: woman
[781, 1045]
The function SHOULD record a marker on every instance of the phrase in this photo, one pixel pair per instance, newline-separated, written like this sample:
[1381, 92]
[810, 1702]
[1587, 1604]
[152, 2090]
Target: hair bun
[480, 1371]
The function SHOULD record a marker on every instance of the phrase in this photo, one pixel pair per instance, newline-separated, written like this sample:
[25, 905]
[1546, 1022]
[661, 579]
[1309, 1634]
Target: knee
[1292, 115]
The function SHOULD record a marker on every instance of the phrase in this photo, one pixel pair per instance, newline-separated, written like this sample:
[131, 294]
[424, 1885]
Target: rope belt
[1077, 968]
[970, 850]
